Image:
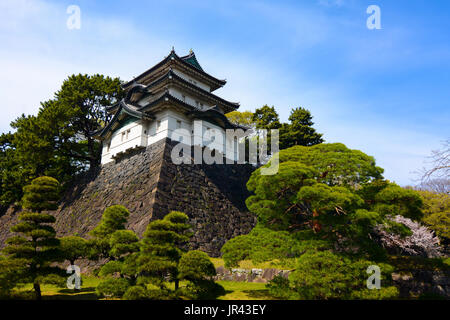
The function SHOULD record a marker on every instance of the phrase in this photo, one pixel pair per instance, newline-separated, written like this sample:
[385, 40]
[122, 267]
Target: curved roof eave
[170, 73]
[189, 65]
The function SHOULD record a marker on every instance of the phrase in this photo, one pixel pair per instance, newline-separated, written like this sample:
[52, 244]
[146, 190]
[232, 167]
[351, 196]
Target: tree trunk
[316, 224]
[37, 290]
[177, 284]
[92, 155]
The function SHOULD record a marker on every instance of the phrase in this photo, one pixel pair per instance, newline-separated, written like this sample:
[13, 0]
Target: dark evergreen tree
[123, 257]
[196, 267]
[113, 219]
[37, 244]
[162, 247]
[58, 141]
[73, 248]
[299, 131]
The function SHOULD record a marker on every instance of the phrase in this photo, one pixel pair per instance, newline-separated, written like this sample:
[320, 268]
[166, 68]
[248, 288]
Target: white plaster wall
[119, 143]
[143, 134]
[192, 80]
[188, 99]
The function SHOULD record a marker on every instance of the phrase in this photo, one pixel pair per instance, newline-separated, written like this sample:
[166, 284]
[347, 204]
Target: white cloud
[40, 52]
[331, 3]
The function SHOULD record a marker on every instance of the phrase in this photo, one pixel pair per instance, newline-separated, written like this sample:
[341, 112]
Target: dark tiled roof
[231, 105]
[190, 61]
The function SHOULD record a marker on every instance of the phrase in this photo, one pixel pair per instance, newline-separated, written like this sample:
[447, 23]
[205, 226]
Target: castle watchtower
[174, 94]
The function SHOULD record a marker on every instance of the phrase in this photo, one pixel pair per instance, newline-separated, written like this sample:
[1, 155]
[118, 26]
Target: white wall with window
[167, 124]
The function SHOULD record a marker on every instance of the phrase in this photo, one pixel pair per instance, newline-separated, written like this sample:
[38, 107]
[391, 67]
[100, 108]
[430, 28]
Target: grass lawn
[87, 291]
[234, 290]
[244, 291]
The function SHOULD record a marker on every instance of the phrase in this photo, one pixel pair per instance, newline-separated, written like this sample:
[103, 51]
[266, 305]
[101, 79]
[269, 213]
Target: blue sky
[385, 92]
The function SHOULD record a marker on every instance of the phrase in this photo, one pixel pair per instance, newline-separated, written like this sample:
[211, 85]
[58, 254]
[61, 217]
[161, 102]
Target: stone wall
[415, 283]
[150, 186]
[249, 275]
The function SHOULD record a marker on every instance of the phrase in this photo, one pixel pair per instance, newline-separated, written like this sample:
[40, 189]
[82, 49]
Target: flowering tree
[422, 241]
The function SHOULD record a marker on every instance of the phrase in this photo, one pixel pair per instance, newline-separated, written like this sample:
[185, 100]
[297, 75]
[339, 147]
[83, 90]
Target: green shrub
[203, 290]
[326, 275]
[112, 288]
[136, 293]
[196, 266]
[279, 287]
[437, 212]
[263, 244]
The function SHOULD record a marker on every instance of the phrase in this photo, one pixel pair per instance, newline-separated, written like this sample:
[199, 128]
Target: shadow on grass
[74, 291]
[257, 294]
[69, 294]
[83, 296]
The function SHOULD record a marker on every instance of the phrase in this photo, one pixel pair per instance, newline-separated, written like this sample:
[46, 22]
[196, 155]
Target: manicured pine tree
[196, 267]
[162, 247]
[123, 257]
[37, 244]
[114, 218]
[73, 248]
[11, 273]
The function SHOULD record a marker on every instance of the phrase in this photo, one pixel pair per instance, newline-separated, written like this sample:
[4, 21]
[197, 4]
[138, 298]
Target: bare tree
[440, 164]
[435, 185]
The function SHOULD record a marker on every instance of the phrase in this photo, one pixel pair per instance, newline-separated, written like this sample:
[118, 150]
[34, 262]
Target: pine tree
[114, 218]
[123, 257]
[162, 247]
[299, 132]
[73, 248]
[37, 244]
[196, 267]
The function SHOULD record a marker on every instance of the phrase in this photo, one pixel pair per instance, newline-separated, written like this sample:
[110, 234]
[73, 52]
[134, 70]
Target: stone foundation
[149, 185]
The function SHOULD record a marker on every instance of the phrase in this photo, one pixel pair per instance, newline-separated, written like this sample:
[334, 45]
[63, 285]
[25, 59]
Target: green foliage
[196, 266]
[13, 176]
[325, 275]
[312, 183]
[37, 244]
[394, 200]
[114, 218]
[279, 287]
[334, 191]
[437, 213]
[162, 247]
[73, 248]
[263, 244]
[136, 293]
[244, 118]
[58, 141]
[439, 222]
[266, 118]
[124, 253]
[123, 242]
[41, 194]
[12, 272]
[203, 290]
[112, 287]
[120, 247]
[299, 131]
